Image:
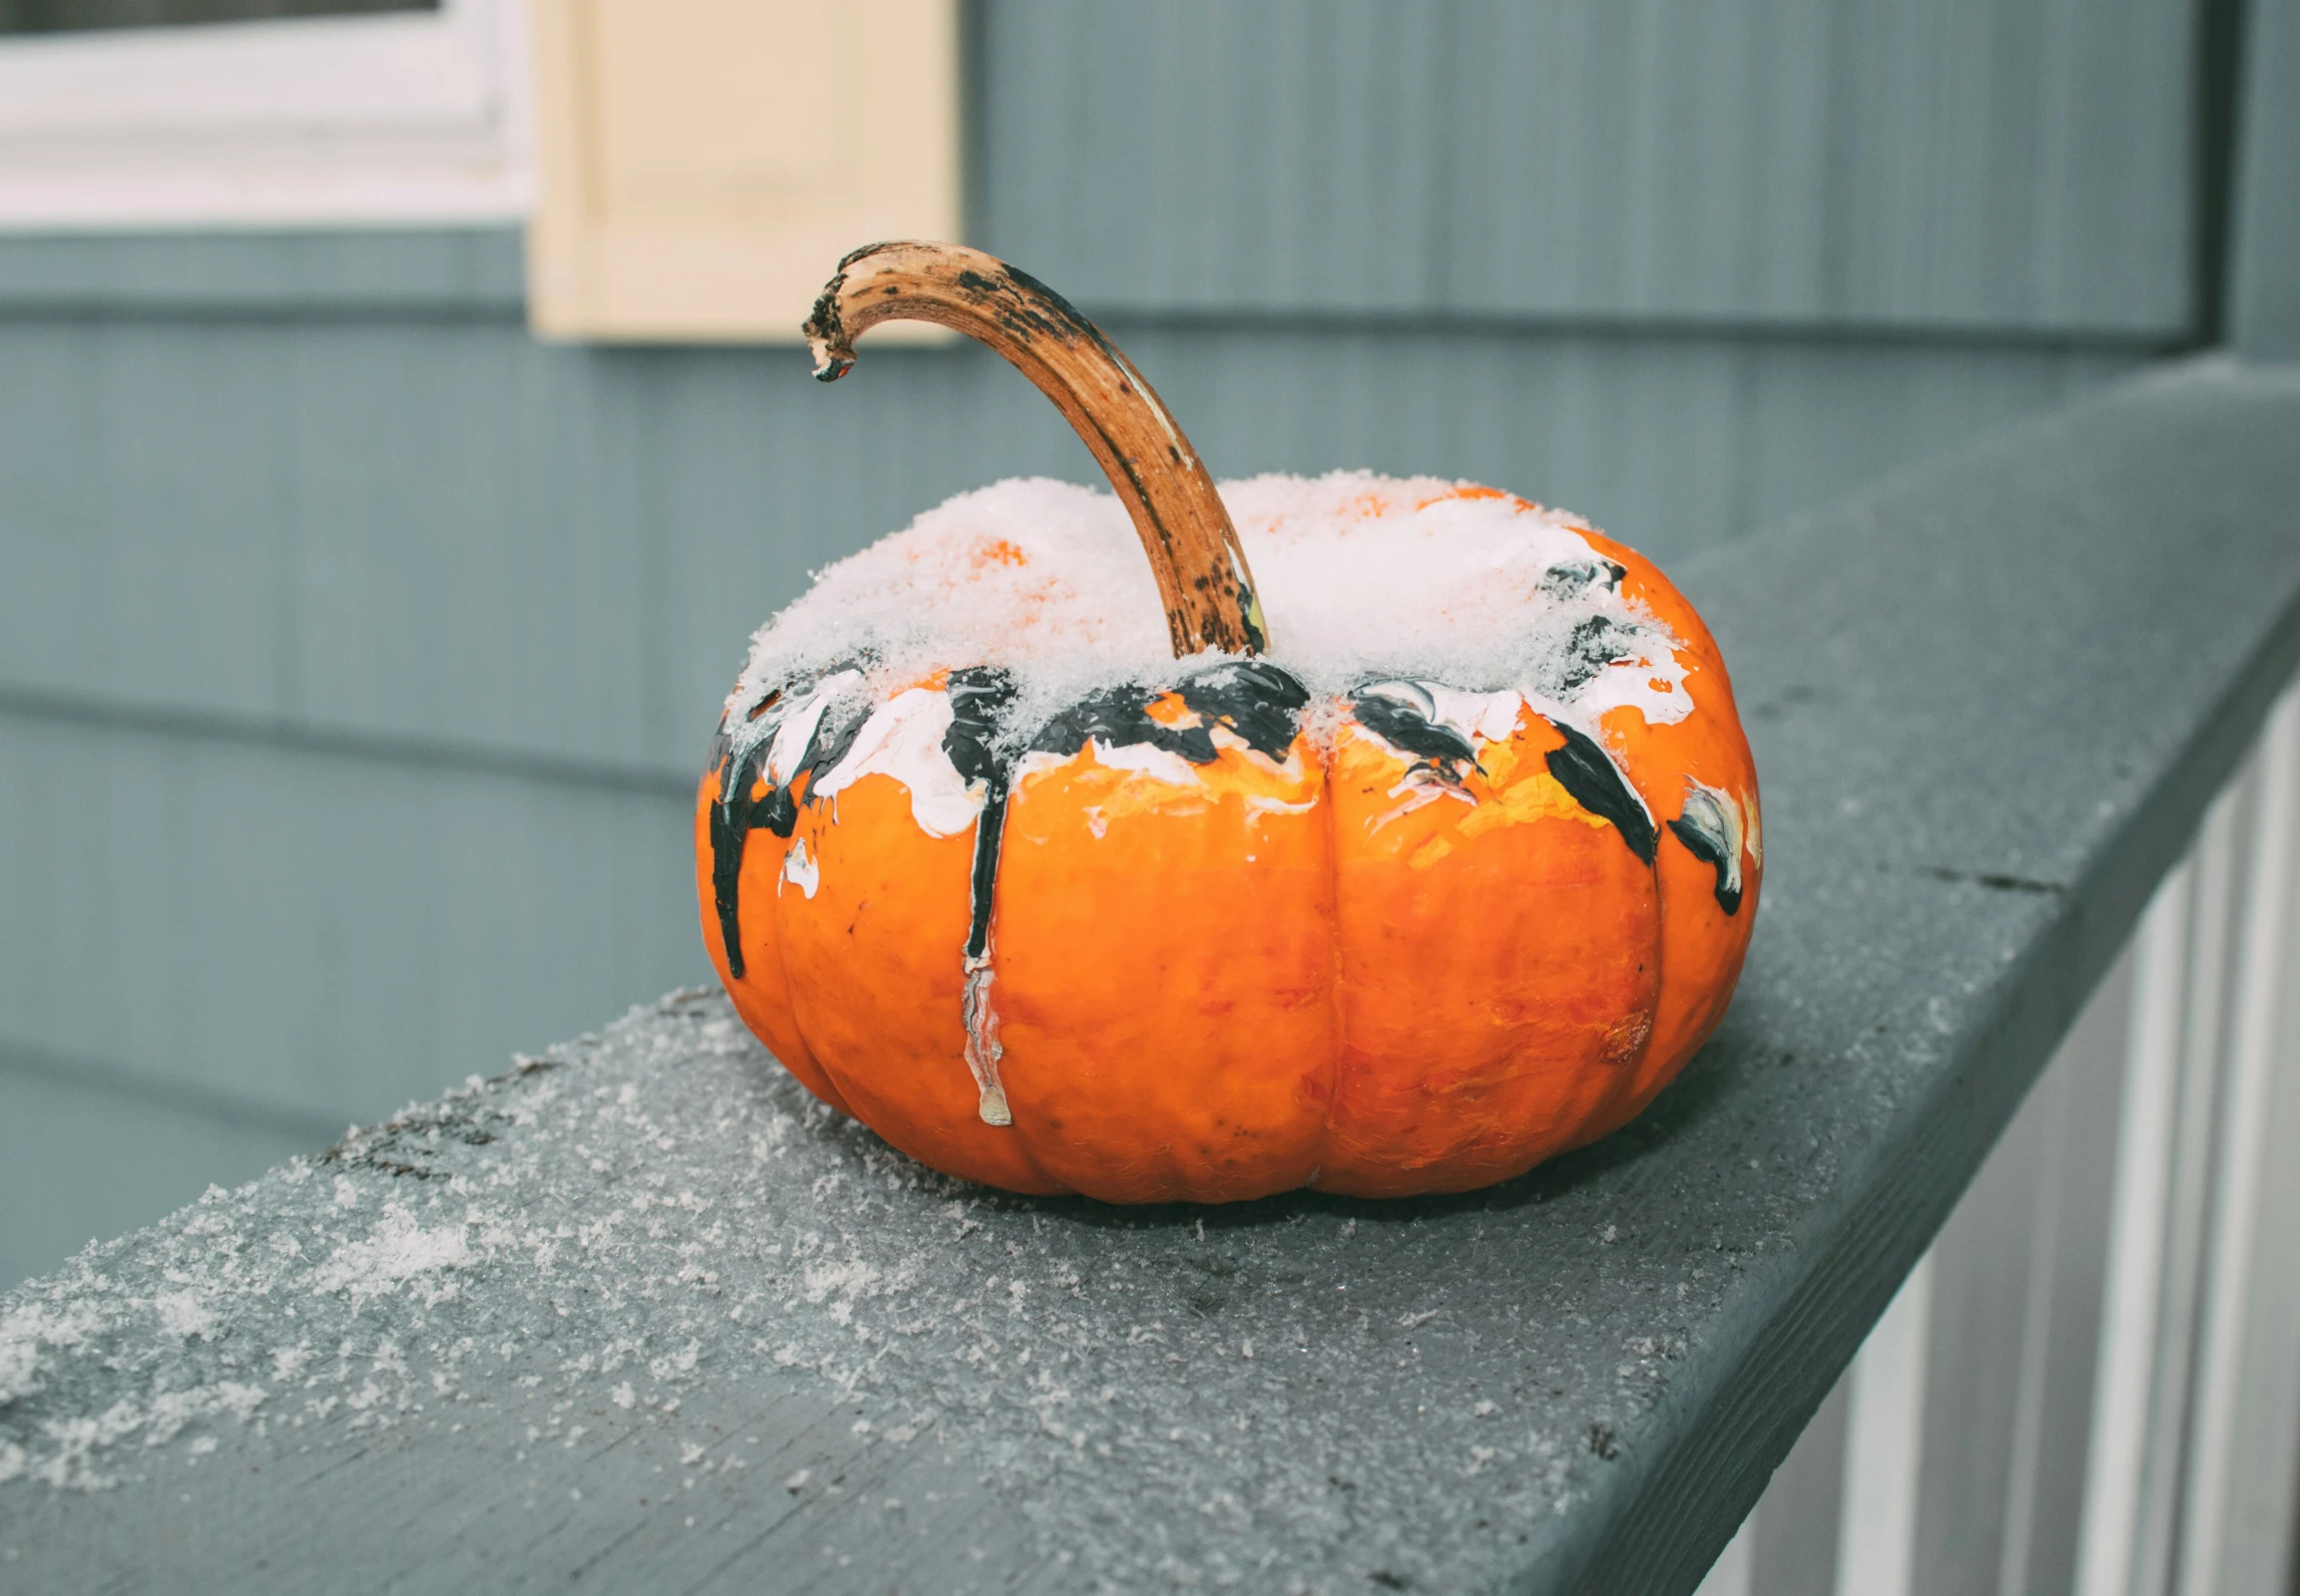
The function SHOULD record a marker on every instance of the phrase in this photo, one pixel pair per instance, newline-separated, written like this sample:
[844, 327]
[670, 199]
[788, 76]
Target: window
[75, 15]
[402, 113]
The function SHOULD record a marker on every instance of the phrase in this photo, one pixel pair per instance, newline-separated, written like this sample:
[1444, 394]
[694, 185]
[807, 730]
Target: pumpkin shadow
[1682, 1104]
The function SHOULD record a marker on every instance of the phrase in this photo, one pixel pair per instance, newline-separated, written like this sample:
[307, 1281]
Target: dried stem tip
[1202, 575]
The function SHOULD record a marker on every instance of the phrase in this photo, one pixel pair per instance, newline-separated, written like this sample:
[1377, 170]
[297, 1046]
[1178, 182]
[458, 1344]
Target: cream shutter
[705, 163]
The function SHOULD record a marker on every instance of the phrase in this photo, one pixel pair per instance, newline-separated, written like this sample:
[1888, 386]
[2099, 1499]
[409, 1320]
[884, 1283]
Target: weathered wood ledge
[639, 1316]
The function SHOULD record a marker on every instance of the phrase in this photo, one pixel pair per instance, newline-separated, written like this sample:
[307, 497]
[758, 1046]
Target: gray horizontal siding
[80, 1164]
[445, 532]
[1980, 163]
[321, 933]
[464, 270]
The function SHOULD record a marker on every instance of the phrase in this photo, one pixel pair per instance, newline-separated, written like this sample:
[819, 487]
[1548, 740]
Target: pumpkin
[1239, 921]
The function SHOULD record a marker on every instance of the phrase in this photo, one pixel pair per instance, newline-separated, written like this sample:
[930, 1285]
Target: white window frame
[397, 120]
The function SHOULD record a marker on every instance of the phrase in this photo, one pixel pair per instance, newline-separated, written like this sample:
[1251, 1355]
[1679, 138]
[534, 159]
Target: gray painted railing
[639, 1314]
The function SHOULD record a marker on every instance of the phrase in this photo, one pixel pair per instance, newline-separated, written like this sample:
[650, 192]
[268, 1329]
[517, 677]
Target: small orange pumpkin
[1231, 931]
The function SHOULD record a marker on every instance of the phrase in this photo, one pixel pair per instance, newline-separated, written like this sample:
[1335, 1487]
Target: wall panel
[143, 495]
[80, 1165]
[443, 530]
[326, 935]
[2011, 164]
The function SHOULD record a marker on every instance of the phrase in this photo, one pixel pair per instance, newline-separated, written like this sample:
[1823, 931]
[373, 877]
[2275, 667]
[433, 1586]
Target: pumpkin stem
[1202, 575]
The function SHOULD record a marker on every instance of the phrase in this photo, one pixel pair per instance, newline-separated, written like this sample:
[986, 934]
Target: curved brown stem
[1202, 574]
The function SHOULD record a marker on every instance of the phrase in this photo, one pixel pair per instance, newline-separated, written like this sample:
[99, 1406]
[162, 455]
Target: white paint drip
[1652, 684]
[982, 1049]
[1420, 786]
[1144, 758]
[799, 869]
[903, 740]
[1714, 810]
[1141, 759]
[797, 731]
[1034, 764]
[1479, 717]
[1258, 806]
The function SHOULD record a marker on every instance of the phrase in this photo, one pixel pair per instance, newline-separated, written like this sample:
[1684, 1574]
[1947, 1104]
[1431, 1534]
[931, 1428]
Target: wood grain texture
[1793, 1528]
[1979, 163]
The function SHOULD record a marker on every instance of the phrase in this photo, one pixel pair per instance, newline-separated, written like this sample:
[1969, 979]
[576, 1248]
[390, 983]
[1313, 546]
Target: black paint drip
[1596, 642]
[1571, 578]
[1119, 717]
[1255, 700]
[977, 695]
[731, 816]
[1708, 836]
[1584, 769]
[737, 812]
[1414, 729]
